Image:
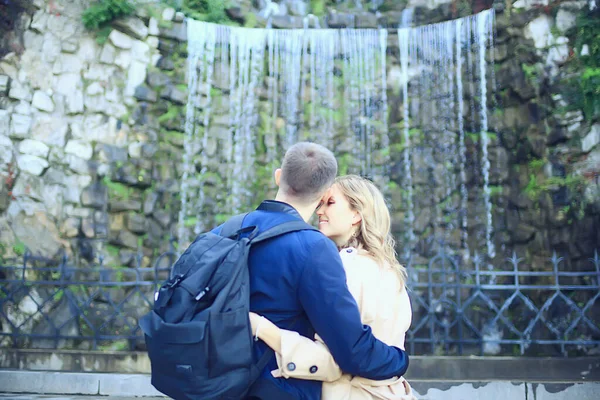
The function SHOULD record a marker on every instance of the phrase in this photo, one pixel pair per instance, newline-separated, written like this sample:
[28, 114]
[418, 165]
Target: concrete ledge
[128, 386]
[519, 369]
[78, 383]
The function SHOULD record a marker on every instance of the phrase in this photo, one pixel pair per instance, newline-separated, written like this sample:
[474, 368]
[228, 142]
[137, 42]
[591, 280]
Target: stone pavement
[48, 385]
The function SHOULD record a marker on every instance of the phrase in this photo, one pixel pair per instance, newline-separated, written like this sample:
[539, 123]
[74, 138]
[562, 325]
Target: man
[297, 281]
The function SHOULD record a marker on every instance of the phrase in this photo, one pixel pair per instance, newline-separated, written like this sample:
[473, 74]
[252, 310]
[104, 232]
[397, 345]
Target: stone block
[80, 149]
[42, 101]
[18, 91]
[137, 223]
[49, 382]
[108, 54]
[4, 84]
[34, 148]
[340, 20]
[133, 26]
[168, 14]
[591, 140]
[120, 40]
[4, 123]
[153, 27]
[31, 164]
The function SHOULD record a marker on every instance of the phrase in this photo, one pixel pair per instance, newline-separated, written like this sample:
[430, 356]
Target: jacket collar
[278, 206]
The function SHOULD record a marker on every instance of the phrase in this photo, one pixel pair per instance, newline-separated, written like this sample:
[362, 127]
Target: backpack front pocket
[230, 341]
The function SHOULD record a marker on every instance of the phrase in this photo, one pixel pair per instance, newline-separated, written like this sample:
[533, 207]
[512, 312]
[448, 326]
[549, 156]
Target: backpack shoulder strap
[232, 225]
[282, 229]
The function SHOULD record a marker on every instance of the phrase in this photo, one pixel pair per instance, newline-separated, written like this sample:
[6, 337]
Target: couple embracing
[331, 304]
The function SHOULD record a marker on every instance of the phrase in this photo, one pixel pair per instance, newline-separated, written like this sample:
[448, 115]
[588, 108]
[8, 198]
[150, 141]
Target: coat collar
[278, 206]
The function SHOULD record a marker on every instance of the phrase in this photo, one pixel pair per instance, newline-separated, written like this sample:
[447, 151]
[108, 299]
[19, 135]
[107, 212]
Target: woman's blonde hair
[373, 234]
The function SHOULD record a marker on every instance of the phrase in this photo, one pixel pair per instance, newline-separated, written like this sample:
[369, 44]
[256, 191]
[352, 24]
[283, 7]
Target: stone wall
[91, 125]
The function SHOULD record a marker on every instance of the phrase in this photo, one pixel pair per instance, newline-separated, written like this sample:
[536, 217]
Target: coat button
[313, 369]
[291, 366]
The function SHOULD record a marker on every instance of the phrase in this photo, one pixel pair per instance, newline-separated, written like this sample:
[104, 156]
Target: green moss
[102, 35]
[251, 21]
[190, 222]
[112, 250]
[172, 113]
[537, 164]
[19, 248]
[116, 189]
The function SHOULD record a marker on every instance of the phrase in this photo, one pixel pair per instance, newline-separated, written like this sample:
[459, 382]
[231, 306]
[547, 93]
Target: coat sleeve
[302, 358]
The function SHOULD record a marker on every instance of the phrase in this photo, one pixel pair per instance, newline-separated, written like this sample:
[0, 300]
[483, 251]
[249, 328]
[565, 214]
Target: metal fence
[460, 307]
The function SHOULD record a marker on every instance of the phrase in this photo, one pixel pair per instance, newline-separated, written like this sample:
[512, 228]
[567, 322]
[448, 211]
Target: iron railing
[460, 307]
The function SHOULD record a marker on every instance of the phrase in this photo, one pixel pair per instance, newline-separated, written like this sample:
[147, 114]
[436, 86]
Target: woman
[354, 215]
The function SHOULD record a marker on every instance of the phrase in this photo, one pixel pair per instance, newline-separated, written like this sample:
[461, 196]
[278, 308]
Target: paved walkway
[4, 396]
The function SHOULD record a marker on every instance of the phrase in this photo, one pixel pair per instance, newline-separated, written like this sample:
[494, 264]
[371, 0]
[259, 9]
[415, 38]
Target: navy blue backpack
[198, 334]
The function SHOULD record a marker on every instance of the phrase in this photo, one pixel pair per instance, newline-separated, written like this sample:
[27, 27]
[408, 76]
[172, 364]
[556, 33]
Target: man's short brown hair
[307, 171]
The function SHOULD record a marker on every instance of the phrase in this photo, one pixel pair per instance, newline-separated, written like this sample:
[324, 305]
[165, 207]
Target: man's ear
[277, 175]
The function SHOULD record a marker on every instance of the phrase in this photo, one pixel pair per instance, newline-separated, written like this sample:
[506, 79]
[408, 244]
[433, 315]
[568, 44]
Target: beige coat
[384, 306]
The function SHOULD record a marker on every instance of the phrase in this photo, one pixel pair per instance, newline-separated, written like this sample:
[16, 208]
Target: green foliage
[206, 10]
[103, 12]
[590, 88]
[251, 21]
[19, 248]
[317, 7]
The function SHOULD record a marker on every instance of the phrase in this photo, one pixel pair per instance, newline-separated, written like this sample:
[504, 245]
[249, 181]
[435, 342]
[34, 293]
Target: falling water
[484, 27]
[330, 86]
[437, 53]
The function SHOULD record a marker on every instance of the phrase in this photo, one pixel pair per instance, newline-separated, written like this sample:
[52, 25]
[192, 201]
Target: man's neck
[305, 211]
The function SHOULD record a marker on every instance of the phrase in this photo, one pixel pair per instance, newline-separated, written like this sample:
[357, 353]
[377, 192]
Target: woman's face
[336, 218]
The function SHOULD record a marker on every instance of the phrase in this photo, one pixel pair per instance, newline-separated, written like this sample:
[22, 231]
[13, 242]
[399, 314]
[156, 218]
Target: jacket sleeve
[333, 312]
[302, 358]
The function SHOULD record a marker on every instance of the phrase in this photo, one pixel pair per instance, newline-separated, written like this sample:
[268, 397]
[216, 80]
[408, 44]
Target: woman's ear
[357, 218]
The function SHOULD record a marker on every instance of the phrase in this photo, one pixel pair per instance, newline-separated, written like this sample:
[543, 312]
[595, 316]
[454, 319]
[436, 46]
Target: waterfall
[434, 159]
[255, 92]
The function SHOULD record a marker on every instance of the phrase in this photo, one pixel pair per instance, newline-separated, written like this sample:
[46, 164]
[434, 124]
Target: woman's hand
[254, 321]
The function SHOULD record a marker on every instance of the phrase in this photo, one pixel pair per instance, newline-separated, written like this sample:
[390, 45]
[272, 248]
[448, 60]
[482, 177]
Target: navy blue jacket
[299, 278]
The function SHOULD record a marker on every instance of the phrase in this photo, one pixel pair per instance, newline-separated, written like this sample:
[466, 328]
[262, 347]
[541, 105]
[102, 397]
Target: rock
[135, 77]
[74, 185]
[34, 148]
[80, 149]
[540, 30]
[108, 54]
[42, 101]
[179, 17]
[340, 20]
[591, 139]
[39, 21]
[124, 205]
[77, 164]
[38, 233]
[88, 227]
[70, 46]
[19, 126]
[365, 20]
[163, 217]
[150, 202]
[297, 7]
[4, 123]
[153, 27]
[52, 198]
[137, 223]
[123, 59]
[559, 52]
[236, 14]
[128, 239]
[111, 154]
[94, 89]
[135, 149]
[74, 102]
[565, 20]
[152, 42]
[29, 186]
[287, 22]
[178, 32]
[155, 79]
[31, 164]
[144, 93]
[18, 91]
[99, 72]
[168, 14]
[120, 40]
[4, 84]
[95, 196]
[132, 26]
[70, 228]
[140, 51]
[165, 63]
[68, 63]
[174, 94]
